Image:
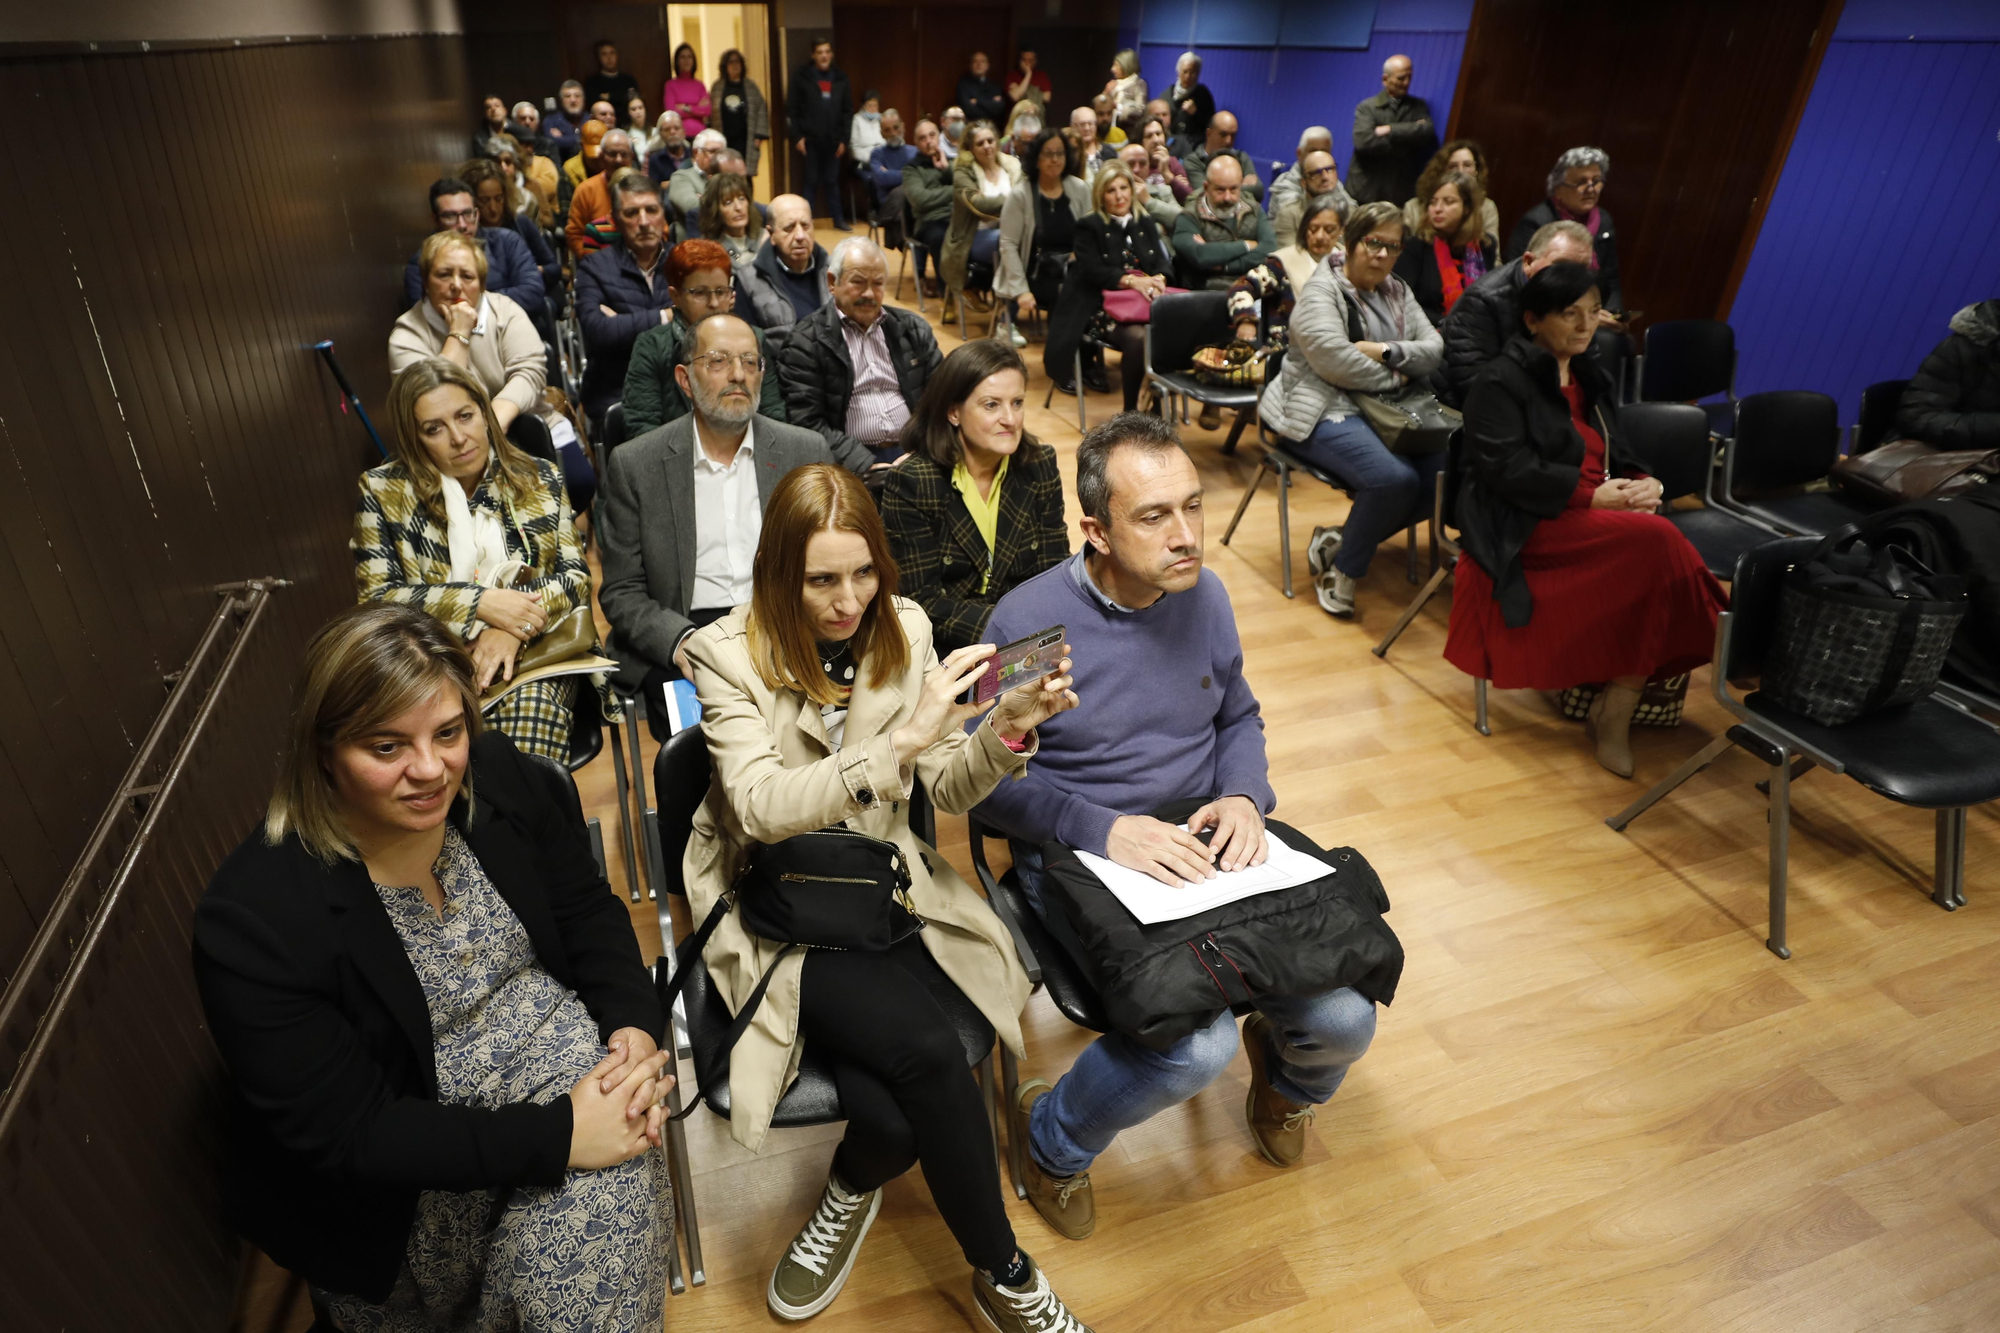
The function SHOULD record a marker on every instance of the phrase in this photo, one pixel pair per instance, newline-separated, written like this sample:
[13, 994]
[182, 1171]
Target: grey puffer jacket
[1322, 361]
[1953, 401]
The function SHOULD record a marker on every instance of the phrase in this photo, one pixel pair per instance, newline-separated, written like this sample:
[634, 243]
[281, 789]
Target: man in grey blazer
[684, 505]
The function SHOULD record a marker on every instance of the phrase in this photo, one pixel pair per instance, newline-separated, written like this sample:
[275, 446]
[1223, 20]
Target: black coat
[817, 375]
[1604, 243]
[1523, 459]
[1418, 266]
[335, 1123]
[1190, 126]
[1953, 401]
[1476, 329]
[823, 119]
[1101, 260]
[982, 98]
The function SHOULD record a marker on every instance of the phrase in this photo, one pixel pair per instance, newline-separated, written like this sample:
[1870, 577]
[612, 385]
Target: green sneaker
[815, 1268]
[1032, 1308]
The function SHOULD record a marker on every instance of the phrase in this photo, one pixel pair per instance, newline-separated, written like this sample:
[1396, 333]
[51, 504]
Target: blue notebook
[683, 708]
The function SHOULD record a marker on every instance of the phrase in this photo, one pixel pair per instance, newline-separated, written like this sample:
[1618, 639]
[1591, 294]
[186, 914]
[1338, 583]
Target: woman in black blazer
[1449, 251]
[440, 1037]
[1118, 245]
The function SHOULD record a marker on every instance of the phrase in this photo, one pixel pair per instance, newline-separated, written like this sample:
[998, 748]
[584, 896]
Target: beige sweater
[507, 354]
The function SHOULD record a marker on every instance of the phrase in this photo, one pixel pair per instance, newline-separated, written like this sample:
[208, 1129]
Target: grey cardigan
[1017, 232]
[1321, 361]
[756, 119]
[646, 533]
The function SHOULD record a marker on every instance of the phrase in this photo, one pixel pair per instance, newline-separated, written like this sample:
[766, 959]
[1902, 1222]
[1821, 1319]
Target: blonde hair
[819, 497]
[438, 242]
[516, 475]
[1114, 170]
[370, 663]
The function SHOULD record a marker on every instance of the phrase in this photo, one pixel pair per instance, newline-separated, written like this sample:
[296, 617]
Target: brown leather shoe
[1276, 1123]
[1063, 1201]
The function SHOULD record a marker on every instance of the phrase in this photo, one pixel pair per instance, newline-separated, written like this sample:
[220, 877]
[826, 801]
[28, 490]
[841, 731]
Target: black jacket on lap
[334, 1123]
[1418, 266]
[1486, 316]
[1523, 458]
[1953, 401]
[817, 375]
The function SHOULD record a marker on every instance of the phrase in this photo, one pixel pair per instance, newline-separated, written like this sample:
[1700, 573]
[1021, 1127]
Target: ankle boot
[1610, 722]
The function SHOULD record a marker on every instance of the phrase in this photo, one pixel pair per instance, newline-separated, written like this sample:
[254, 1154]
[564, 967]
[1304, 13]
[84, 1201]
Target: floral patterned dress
[589, 1254]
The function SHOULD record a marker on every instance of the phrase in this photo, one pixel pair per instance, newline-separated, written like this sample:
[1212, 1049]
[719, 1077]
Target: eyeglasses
[457, 215]
[1588, 187]
[708, 295]
[717, 363]
[1376, 245]
[1320, 171]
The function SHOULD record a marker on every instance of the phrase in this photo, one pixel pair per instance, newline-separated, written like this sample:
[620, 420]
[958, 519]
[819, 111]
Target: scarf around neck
[1589, 221]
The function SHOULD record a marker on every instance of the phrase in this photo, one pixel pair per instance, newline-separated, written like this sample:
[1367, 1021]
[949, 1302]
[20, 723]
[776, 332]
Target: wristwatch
[465, 338]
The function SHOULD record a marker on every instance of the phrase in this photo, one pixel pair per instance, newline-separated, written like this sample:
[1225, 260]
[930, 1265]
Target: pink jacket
[690, 98]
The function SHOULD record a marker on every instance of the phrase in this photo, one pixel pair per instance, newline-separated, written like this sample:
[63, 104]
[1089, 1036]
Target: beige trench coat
[775, 776]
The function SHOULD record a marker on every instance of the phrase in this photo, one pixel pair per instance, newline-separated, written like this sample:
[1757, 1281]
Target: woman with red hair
[698, 276]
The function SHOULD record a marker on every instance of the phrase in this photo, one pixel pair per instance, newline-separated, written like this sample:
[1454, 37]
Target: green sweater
[653, 398]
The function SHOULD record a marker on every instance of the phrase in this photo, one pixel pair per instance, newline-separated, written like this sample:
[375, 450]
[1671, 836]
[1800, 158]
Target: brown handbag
[1905, 470]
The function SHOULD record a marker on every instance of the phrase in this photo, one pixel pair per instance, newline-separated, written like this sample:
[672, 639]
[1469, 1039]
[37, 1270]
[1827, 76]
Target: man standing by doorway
[610, 83]
[820, 108]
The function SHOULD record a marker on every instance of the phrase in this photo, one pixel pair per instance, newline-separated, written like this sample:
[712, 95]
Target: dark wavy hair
[1557, 287]
[930, 431]
[1033, 160]
[721, 188]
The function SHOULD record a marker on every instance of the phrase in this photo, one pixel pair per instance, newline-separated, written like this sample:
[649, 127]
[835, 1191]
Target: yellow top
[985, 510]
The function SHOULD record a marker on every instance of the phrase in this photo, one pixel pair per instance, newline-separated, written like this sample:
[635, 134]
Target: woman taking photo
[684, 93]
[445, 1089]
[1274, 285]
[463, 525]
[1447, 252]
[820, 701]
[1466, 158]
[739, 110]
[728, 218]
[1308, 402]
[491, 336]
[981, 180]
[1118, 248]
[1574, 576]
[1038, 231]
[976, 505]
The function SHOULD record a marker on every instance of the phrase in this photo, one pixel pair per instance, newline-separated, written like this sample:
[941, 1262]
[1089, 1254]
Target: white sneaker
[1015, 336]
[1319, 551]
[1336, 594]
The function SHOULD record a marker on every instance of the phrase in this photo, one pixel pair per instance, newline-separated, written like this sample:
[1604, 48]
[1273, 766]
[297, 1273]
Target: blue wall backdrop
[1276, 91]
[1884, 219]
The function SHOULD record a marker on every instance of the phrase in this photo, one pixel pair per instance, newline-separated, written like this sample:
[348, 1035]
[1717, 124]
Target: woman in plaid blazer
[418, 543]
[976, 506]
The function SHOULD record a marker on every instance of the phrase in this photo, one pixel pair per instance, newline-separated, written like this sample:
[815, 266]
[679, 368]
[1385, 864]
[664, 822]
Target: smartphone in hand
[1022, 662]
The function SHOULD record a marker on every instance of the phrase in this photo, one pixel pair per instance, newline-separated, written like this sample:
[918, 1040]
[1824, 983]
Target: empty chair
[1687, 359]
[1672, 439]
[1182, 322]
[1927, 754]
[1783, 441]
[1877, 423]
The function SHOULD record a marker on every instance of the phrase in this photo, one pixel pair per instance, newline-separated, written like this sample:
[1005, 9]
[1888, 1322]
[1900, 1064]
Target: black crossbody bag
[831, 889]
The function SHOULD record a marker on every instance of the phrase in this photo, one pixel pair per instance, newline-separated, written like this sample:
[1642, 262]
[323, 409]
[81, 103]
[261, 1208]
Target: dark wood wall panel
[1691, 101]
[164, 427]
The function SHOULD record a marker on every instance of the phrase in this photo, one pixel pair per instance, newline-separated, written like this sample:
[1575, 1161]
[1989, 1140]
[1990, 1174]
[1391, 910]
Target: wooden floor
[1597, 1103]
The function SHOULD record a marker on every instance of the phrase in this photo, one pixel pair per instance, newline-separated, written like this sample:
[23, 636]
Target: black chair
[1076, 379]
[682, 777]
[1784, 441]
[1049, 966]
[530, 434]
[1686, 359]
[1182, 322]
[1879, 402]
[1445, 555]
[1929, 754]
[614, 427]
[914, 251]
[1672, 440]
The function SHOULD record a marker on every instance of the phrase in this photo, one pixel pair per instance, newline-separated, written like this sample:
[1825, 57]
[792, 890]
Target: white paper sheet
[1153, 902]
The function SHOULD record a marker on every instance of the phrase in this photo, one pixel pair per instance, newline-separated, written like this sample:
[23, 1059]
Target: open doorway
[714, 29]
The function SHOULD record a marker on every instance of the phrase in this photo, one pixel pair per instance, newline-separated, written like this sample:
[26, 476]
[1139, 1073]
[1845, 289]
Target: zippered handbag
[831, 889]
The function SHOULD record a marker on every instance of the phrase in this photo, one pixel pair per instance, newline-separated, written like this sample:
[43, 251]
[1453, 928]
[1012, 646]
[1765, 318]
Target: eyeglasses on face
[449, 216]
[1320, 171]
[1376, 245]
[1589, 185]
[708, 295]
[718, 363]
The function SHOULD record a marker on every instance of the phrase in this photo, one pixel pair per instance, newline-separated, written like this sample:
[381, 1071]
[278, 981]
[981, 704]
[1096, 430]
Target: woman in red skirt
[1574, 576]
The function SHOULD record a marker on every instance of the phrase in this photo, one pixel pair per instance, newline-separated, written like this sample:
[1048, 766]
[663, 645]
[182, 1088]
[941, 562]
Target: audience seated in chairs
[509, 263]
[729, 217]
[1576, 185]
[493, 194]
[1109, 131]
[684, 191]
[1220, 142]
[1028, 83]
[1309, 402]
[1448, 252]
[1193, 106]
[1038, 230]
[1166, 716]
[619, 293]
[1466, 158]
[1162, 169]
[644, 137]
[883, 171]
[563, 127]
[1089, 150]
[929, 192]
[493, 338]
[672, 152]
[1024, 122]
[1490, 311]
[463, 525]
[683, 505]
[1394, 135]
[1953, 401]
[1273, 287]
[1118, 247]
[398, 1177]
[540, 174]
[1222, 234]
[952, 125]
[979, 94]
[801, 740]
[697, 274]
[590, 138]
[865, 135]
[1153, 196]
[787, 279]
[982, 178]
[854, 369]
[819, 106]
[1294, 182]
[740, 111]
[590, 226]
[976, 506]
[492, 124]
[1322, 187]
[1574, 577]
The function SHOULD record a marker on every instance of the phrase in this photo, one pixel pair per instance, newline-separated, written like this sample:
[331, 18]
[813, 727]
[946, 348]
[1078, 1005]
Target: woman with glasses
[1576, 194]
[697, 274]
[1356, 326]
[1038, 230]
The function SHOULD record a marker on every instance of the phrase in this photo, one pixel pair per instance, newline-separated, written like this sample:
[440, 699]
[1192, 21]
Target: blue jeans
[1390, 491]
[985, 243]
[1118, 1083]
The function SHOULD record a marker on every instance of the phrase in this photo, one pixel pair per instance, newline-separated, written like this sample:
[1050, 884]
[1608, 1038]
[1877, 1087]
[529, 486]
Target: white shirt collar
[744, 451]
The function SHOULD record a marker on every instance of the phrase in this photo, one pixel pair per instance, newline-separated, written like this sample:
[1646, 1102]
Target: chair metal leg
[1948, 875]
[631, 857]
[682, 1174]
[1243, 416]
[1781, 846]
[648, 837]
[1078, 382]
[1479, 722]
[1010, 1093]
[1800, 767]
[1410, 554]
[1702, 759]
[1285, 524]
[902, 268]
[1410, 612]
[1243, 504]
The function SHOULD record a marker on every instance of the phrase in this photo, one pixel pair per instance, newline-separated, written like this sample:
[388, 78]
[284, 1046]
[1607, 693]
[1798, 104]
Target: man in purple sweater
[1166, 716]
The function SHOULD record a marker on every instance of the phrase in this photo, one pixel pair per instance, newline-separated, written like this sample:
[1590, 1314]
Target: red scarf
[1449, 272]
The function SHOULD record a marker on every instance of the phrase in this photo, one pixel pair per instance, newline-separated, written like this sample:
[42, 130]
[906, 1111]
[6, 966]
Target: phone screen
[1021, 662]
